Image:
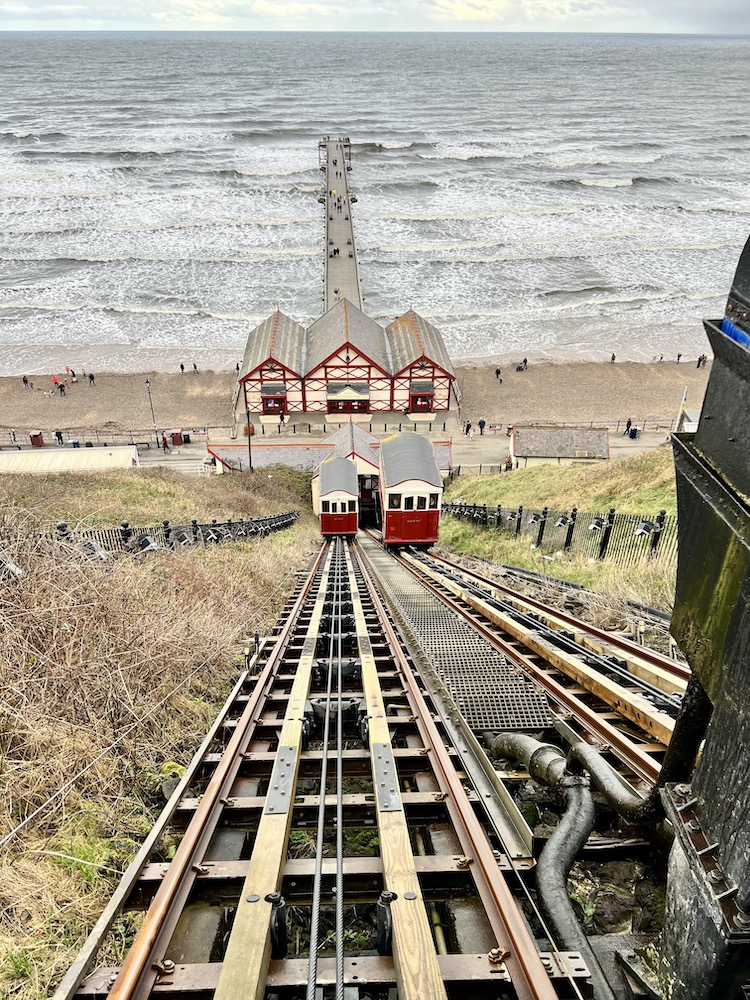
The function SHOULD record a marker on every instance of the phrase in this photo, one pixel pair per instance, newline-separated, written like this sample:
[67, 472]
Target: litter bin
[37, 441]
[633, 433]
[186, 439]
[176, 436]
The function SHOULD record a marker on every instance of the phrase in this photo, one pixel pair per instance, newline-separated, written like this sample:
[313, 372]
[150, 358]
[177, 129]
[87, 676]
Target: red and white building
[346, 364]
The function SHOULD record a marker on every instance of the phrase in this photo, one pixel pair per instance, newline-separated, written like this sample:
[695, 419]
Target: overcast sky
[678, 16]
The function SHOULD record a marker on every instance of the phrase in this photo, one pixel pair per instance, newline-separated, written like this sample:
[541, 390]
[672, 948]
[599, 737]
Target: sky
[639, 16]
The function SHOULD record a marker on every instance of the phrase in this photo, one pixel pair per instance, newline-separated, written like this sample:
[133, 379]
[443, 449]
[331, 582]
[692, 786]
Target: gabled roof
[345, 324]
[338, 475]
[561, 442]
[411, 337]
[408, 456]
[351, 439]
[279, 338]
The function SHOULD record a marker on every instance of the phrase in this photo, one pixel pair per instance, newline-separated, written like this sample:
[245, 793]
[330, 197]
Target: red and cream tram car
[410, 490]
[339, 492]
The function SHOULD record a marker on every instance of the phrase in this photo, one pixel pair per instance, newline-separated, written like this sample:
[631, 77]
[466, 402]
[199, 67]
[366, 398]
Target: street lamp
[249, 439]
[153, 415]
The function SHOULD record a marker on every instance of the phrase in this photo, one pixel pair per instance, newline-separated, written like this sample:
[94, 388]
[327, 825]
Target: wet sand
[571, 392]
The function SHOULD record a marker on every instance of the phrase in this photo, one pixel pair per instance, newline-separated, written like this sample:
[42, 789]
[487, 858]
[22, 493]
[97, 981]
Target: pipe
[547, 763]
[689, 730]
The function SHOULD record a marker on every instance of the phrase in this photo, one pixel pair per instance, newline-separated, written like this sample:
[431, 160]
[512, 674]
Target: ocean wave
[608, 182]
[600, 160]
[132, 310]
[384, 146]
[14, 138]
[261, 256]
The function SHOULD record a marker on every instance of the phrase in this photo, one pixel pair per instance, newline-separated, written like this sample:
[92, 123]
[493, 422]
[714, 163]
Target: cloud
[466, 11]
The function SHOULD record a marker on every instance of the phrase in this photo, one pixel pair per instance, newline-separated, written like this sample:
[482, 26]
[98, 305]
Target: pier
[341, 270]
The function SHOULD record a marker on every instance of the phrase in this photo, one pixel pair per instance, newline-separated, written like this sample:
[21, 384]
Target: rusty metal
[629, 752]
[178, 880]
[527, 973]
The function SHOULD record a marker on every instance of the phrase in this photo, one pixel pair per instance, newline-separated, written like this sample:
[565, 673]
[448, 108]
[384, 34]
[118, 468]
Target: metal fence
[101, 542]
[623, 538]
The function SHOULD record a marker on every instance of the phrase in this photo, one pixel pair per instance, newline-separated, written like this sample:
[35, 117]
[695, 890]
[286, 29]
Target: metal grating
[489, 692]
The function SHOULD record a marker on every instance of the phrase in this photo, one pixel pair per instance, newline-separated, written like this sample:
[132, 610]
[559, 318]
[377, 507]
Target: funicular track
[616, 695]
[330, 843]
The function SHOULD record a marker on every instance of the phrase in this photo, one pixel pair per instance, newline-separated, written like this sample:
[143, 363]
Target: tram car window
[410, 491]
[339, 489]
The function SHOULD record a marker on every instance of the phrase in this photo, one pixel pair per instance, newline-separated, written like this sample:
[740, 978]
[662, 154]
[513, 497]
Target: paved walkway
[341, 271]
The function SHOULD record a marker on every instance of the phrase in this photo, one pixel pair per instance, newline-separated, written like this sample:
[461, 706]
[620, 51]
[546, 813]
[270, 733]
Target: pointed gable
[411, 337]
[278, 338]
[346, 326]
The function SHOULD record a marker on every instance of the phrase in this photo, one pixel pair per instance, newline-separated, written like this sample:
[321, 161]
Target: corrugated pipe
[690, 728]
[547, 763]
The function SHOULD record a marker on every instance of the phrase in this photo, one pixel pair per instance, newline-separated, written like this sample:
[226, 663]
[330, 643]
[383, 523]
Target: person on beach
[55, 380]
[612, 359]
[482, 424]
[497, 373]
[58, 438]
[195, 368]
[182, 368]
[61, 387]
[91, 378]
[628, 425]
[678, 358]
[26, 383]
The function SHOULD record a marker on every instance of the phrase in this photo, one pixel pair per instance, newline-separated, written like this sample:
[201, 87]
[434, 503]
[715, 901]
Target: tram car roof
[408, 456]
[338, 475]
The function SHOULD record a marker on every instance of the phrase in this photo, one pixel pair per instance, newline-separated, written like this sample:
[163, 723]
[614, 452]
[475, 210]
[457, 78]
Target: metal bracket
[386, 778]
[281, 786]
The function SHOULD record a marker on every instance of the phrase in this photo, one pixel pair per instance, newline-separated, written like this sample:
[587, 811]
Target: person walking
[61, 387]
[91, 378]
[182, 368]
[678, 357]
[628, 425]
[164, 445]
[497, 373]
[195, 368]
[25, 382]
[282, 418]
[612, 359]
[482, 424]
[467, 428]
[58, 438]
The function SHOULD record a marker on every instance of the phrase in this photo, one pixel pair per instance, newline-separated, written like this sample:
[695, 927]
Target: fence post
[519, 519]
[542, 522]
[499, 521]
[657, 533]
[571, 528]
[608, 522]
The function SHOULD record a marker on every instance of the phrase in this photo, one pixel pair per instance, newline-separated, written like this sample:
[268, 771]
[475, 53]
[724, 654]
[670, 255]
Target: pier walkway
[341, 271]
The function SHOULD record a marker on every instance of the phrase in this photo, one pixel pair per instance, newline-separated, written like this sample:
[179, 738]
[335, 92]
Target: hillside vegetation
[641, 484]
[113, 671]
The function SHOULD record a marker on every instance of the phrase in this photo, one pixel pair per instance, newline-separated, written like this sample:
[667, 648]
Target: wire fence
[622, 538]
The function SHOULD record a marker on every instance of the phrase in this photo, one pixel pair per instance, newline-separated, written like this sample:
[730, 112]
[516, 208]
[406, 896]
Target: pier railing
[622, 538]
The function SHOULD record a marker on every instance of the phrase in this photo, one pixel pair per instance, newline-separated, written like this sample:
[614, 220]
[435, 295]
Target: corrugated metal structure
[338, 475]
[405, 457]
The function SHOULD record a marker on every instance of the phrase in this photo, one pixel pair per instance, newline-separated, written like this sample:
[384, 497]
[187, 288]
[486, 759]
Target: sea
[559, 196]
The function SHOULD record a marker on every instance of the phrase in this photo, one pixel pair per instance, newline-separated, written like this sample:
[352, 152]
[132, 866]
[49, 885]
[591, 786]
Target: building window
[325, 507]
[408, 503]
[421, 503]
[348, 406]
[433, 501]
[274, 404]
[421, 402]
[352, 506]
[394, 501]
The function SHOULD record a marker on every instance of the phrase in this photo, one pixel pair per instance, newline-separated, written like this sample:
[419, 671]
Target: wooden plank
[245, 968]
[417, 970]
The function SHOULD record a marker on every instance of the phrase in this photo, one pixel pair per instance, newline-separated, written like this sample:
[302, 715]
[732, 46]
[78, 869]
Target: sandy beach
[546, 391]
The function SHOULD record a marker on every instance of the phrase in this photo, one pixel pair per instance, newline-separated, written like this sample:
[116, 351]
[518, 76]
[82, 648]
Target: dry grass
[86, 651]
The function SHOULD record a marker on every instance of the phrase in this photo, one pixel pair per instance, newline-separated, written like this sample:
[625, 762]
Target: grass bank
[642, 484]
[113, 672]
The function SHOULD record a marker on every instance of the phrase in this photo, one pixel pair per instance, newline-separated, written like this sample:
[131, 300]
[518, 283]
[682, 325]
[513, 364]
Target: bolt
[498, 955]
[682, 790]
